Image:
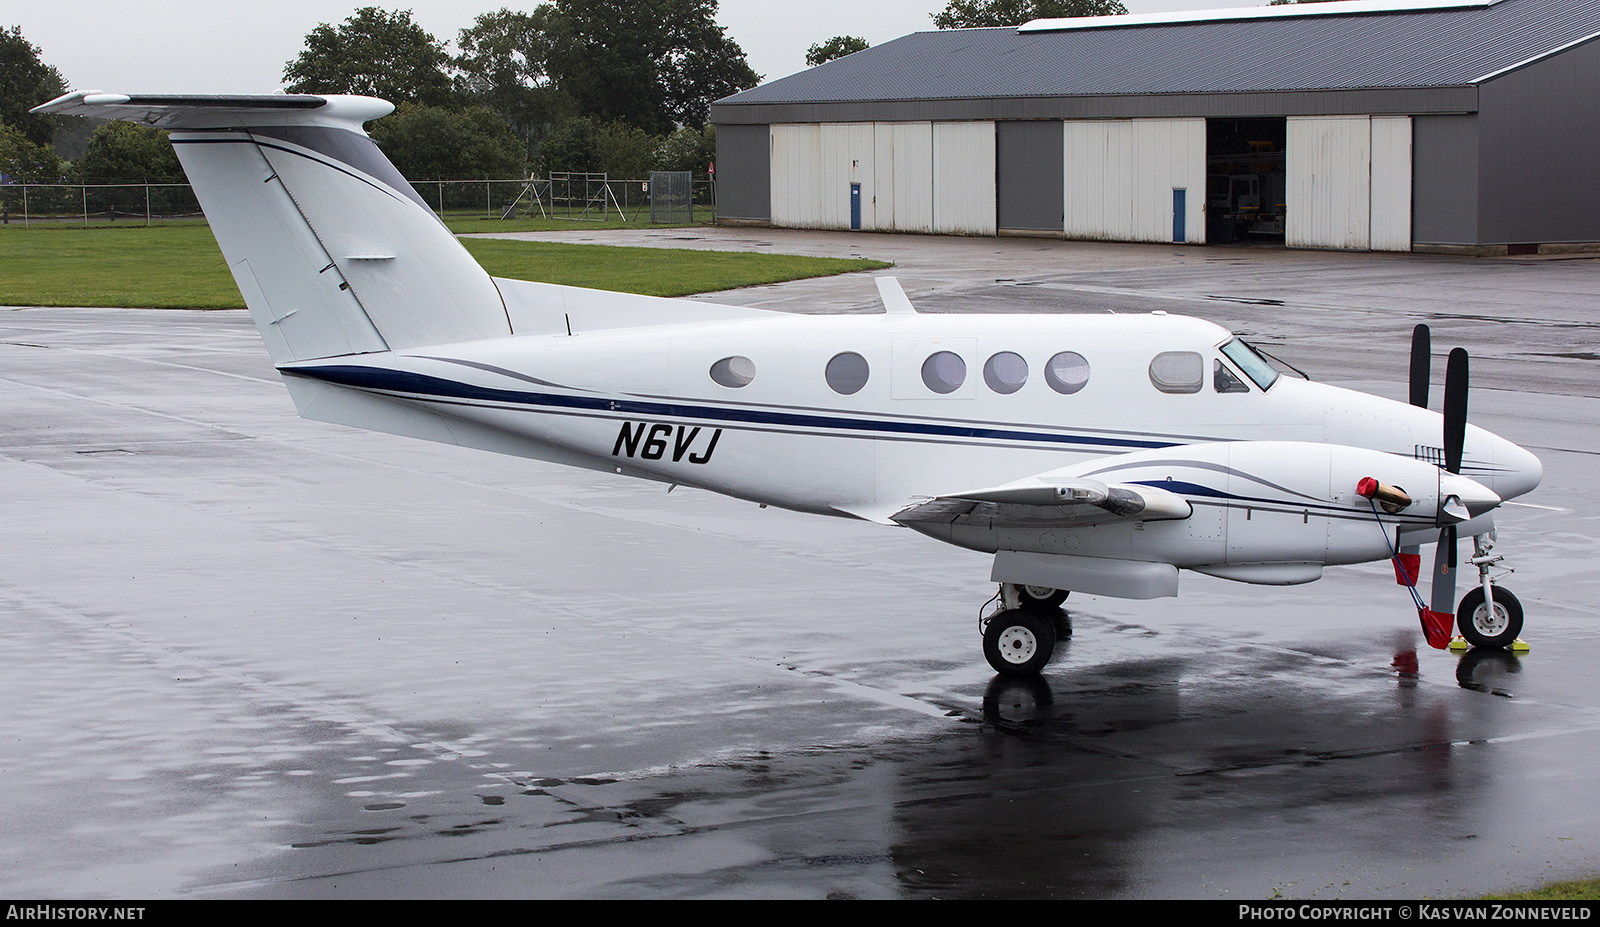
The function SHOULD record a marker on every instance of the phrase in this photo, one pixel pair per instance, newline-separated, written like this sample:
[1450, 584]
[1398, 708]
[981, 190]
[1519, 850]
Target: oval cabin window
[1067, 372]
[944, 372]
[1005, 372]
[847, 373]
[1178, 372]
[733, 372]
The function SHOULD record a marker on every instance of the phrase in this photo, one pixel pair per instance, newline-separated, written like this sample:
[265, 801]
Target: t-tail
[333, 250]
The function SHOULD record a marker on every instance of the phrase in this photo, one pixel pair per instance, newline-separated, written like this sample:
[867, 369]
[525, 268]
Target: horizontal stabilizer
[221, 111]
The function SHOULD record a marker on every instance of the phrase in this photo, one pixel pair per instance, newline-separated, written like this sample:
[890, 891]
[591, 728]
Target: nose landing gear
[1481, 624]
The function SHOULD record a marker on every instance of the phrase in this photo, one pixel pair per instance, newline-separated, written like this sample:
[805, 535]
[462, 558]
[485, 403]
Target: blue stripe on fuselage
[430, 387]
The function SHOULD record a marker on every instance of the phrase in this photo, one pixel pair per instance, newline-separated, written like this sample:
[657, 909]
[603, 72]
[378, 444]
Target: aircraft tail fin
[333, 250]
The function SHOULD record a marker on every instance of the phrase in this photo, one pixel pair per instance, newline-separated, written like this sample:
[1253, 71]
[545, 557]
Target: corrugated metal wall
[745, 192]
[1120, 176]
[1329, 176]
[1391, 183]
[904, 168]
[914, 176]
[1028, 175]
[963, 178]
[1349, 180]
[797, 176]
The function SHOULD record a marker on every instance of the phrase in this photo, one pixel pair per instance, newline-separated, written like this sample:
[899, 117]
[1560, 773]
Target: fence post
[24, 205]
[85, 190]
[147, 204]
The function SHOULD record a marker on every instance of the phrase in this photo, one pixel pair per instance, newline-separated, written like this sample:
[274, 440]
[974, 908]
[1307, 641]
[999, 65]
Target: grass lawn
[1581, 890]
[651, 271]
[478, 225]
[180, 267]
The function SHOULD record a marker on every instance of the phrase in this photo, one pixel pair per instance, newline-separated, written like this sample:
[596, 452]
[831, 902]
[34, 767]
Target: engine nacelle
[1271, 512]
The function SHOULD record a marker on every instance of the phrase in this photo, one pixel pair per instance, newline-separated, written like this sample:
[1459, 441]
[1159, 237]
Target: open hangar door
[1246, 188]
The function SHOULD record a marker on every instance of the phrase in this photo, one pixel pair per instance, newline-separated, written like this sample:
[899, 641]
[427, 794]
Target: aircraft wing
[1046, 502]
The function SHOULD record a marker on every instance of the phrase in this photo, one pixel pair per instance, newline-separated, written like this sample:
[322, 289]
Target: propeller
[1408, 559]
[1441, 611]
[1420, 360]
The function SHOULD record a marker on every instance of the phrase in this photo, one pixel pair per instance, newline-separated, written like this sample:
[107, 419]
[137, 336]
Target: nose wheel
[1483, 626]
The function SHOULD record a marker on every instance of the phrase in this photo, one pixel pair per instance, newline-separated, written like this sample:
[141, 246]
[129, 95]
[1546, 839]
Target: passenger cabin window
[1067, 372]
[847, 373]
[733, 372]
[944, 372]
[1005, 372]
[1178, 371]
[1223, 380]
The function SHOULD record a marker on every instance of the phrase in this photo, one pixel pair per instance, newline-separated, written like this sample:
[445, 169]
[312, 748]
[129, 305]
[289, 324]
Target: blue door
[855, 207]
[1180, 199]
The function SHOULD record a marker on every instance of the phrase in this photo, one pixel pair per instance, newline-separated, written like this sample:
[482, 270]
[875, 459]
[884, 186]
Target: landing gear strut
[1480, 624]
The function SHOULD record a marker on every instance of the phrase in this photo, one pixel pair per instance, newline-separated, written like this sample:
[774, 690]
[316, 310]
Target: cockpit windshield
[1254, 365]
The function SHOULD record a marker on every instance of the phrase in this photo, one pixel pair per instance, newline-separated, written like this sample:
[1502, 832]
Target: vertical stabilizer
[332, 249]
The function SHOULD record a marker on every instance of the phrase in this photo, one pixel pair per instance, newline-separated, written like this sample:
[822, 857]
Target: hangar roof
[1348, 46]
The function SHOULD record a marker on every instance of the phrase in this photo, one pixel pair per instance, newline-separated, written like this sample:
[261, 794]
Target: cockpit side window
[1254, 365]
[1223, 380]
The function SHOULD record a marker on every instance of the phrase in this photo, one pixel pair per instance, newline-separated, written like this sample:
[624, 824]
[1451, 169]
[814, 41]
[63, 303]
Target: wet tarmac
[249, 656]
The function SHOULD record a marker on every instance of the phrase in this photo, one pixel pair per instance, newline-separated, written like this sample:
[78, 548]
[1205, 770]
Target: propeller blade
[1439, 616]
[1455, 409]
[1421, 346]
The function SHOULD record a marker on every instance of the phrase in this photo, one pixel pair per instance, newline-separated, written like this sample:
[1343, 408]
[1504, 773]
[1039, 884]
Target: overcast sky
[180, 46]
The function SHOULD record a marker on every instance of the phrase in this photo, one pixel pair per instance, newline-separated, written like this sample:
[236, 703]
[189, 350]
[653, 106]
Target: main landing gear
[1019, 638]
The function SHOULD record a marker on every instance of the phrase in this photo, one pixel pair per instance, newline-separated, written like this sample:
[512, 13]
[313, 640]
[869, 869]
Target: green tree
[22, 161]
[438, 143]
[971, 14]
[688, 150]
[124, 152]
[615, 148]
[25, 82]
[374, 53]
[654, 64]
[502, 65]
[836, 47]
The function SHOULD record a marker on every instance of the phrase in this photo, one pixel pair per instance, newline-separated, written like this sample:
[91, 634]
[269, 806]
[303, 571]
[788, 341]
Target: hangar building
[1460, 127]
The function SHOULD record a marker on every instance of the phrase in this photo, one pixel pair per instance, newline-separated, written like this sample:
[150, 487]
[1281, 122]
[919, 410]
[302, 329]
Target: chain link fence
[97, 204]
[561, 195]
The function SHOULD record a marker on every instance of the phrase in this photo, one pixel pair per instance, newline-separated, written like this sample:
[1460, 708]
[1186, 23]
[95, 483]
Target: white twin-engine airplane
[1099, 454]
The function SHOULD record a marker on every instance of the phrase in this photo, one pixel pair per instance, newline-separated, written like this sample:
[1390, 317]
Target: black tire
[1041, 598]
[1483, 630]
[1018, 642]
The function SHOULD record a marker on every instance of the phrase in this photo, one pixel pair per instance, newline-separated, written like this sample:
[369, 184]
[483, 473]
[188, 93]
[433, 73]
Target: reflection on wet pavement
[249, 656]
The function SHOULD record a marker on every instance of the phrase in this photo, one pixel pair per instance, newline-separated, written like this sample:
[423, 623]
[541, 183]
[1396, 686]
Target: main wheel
[1485, 628]
[1018, 642]
[1041, 598]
